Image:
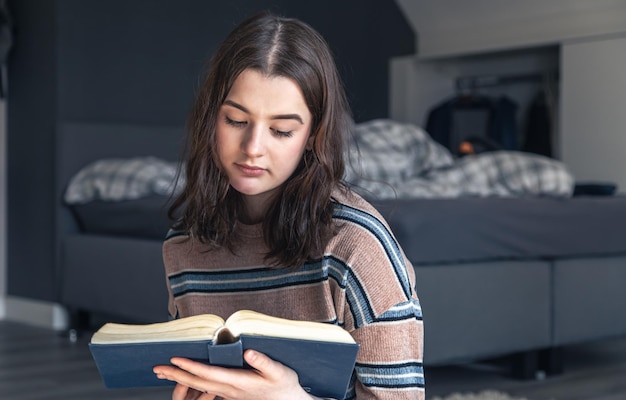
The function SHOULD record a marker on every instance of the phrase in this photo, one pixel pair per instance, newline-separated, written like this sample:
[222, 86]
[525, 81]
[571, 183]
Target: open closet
[490, 122]
[505, 100]
[560, 63]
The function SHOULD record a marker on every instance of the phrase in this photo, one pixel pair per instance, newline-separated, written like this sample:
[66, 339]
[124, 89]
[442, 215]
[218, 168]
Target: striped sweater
[363, 282]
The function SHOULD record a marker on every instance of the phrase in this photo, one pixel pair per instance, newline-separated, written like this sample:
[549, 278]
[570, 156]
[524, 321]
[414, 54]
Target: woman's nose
[253, 143]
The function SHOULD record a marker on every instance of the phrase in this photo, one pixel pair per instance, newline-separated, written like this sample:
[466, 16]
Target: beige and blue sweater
[363, 283]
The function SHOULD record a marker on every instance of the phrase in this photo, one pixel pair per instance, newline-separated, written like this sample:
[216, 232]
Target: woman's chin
[252, 191]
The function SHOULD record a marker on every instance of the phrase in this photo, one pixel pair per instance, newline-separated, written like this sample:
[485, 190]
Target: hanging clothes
[467, 116]
[538, 132]
[6, 43]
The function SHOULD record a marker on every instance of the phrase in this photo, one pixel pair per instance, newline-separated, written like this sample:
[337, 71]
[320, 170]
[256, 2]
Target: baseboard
[34, 312]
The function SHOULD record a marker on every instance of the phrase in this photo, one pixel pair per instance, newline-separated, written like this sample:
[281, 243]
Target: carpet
[483, 395]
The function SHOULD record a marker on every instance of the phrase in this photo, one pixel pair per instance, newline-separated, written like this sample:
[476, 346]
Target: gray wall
[593, 99]
[458, 27]
[138, 61]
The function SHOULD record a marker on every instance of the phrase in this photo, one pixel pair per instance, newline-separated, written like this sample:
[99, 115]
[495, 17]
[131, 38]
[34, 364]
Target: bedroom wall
[31, 113]
[455, 27]
[138, 62]
[3, 196]
[593, 105]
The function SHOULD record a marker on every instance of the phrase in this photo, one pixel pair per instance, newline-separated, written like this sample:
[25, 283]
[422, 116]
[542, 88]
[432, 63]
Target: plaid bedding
[122, 179]
[386, 160]
[396, 160]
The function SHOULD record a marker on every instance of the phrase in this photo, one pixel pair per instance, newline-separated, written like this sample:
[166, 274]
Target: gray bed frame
[473, 310]
[117, 276]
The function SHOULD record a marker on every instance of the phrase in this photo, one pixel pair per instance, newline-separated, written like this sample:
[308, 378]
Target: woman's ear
[309, 143]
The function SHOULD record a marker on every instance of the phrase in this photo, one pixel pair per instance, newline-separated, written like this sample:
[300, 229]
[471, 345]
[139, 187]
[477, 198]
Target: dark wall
[139, 61]
[31, 117]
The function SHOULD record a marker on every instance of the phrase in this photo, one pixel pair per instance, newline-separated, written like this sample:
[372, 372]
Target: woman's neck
[255, 209]
[250, 219]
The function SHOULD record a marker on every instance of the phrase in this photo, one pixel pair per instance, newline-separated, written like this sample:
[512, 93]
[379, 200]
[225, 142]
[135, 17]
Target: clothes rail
[482, 81]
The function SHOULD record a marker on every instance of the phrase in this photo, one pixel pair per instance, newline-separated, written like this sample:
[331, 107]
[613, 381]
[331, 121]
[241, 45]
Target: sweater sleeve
[382, 310]
[389, 365]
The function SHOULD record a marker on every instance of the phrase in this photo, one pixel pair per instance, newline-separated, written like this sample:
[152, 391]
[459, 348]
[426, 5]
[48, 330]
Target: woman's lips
[250, 170]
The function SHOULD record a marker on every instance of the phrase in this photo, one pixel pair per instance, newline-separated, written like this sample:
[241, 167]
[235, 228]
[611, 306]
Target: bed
[102, 269]
[495, 275]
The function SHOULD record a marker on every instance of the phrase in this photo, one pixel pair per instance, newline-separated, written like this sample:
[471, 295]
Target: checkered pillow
[122, 179]
[392, 152]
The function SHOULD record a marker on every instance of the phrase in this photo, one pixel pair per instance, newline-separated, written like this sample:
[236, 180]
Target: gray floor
[37, 364]
[594, 371]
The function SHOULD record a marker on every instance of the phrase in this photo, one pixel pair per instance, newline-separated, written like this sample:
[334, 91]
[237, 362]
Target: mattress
[482, 229]
[143, 218]
[439, 231]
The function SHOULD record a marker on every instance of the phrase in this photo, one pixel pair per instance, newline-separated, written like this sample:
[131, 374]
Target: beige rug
[484, 395]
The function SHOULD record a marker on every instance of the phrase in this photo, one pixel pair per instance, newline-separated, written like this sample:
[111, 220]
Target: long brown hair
[299, 220]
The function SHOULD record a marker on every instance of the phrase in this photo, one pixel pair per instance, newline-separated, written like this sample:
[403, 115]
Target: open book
[322, 354]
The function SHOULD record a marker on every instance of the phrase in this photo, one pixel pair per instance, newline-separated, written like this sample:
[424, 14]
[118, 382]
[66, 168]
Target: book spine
[226, 355]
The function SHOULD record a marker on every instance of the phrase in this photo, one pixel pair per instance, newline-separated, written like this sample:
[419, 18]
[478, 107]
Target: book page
[198, 327]
[256, 324]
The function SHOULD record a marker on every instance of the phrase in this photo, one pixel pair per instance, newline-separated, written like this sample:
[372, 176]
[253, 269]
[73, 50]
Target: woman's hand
[267, 380]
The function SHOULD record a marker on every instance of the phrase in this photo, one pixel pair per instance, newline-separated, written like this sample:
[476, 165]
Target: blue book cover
[324, 367]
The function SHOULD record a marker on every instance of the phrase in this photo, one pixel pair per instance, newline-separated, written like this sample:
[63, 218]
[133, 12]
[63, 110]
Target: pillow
[392, 152]
[123, 179]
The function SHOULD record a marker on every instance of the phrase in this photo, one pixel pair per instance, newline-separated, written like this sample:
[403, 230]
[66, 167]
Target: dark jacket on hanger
[538, 137]
[463, 117]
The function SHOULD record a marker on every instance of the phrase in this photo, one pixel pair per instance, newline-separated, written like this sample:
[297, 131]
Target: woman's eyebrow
[296, 117]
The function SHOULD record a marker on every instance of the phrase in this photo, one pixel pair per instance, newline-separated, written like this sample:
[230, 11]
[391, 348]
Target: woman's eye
[236, 124]
[282, 133]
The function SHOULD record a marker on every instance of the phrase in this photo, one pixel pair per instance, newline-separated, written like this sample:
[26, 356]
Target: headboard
[79, 144]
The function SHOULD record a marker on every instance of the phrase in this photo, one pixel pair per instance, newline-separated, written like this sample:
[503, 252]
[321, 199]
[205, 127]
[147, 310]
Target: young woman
[265, 222]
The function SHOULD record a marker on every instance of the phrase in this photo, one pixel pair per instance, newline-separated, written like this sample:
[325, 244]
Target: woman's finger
[180, 392]
[268, 368]
[196, 376]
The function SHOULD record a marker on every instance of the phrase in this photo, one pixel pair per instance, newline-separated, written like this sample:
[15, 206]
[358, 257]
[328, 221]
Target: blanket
[390, 160]
[385, 160]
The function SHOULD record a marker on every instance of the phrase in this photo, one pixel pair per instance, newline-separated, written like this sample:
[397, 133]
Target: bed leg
[551, 360]
[537, 364]
[79, 322]
[525, 365]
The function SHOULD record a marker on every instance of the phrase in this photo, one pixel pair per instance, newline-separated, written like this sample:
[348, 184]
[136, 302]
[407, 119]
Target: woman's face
[263, 129]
